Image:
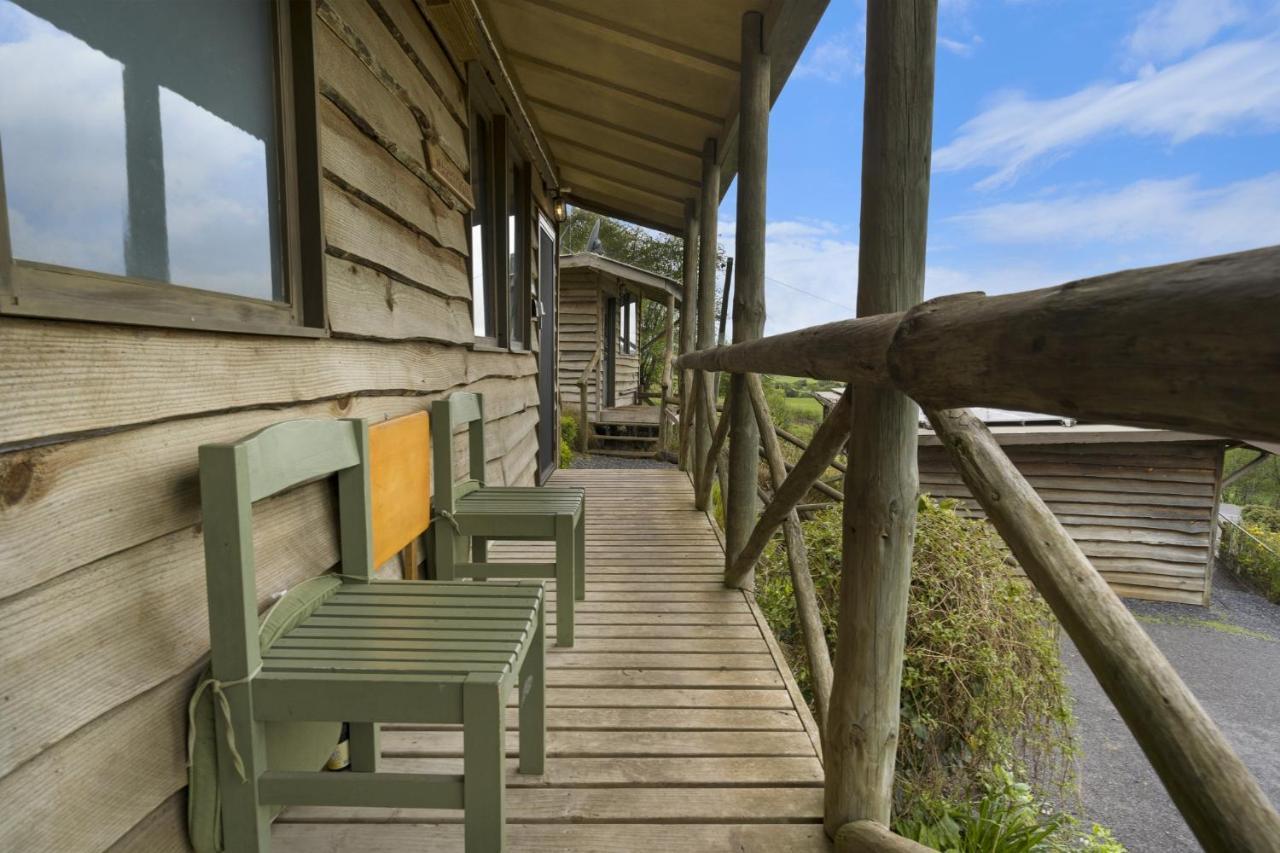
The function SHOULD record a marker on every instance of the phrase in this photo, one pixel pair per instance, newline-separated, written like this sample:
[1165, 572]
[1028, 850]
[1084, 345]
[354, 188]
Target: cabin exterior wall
[1144, 513]
[583, 303]
[102, 591]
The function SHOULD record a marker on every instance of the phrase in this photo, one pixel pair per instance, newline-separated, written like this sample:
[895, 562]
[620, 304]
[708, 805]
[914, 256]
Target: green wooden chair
[470, 512]
[373, 652]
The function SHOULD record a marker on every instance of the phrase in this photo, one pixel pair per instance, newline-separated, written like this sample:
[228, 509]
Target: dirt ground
[1229, 655]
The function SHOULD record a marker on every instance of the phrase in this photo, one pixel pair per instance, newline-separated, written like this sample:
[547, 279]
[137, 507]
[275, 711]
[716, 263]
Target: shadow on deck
[673, 724]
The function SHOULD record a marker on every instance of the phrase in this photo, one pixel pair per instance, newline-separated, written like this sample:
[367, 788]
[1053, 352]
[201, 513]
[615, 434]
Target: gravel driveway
[1229, 655]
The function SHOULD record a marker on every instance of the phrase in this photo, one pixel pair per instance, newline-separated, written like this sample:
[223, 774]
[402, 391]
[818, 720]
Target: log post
[1210, 785]
[815, 638]
[688, 326]
[880, 488]
[828, 438]
[748, 297]
[707, 224]
[666, 375]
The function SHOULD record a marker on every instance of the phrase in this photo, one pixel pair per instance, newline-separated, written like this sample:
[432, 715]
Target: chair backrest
[399, 482]
[232, 477]
[461, 409]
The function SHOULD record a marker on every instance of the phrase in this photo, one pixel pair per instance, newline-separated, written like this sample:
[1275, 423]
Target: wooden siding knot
[16, 479]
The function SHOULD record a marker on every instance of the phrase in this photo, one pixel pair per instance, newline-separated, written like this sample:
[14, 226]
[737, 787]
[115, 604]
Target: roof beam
[636, 96]
[559, 140]
[613, 179]
[624, 36]
[637, 134]
[644, 218]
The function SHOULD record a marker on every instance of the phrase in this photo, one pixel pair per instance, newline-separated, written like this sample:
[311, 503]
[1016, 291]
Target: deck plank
[673, 723]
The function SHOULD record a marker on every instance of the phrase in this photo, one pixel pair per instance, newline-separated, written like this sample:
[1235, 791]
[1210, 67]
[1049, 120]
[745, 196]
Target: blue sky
[1070, 139]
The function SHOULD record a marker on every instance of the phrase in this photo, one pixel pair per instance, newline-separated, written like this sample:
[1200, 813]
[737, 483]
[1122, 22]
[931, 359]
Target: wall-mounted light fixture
[559, 207]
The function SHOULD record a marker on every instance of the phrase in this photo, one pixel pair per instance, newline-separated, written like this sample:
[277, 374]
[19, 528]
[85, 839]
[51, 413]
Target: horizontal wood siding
[1142, 512]
[577, 336]
[103, 624]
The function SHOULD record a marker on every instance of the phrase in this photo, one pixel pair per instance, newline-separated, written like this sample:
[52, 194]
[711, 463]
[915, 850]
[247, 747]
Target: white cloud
[1223, 88]
[960, 48]
[1171, 28]
[833, 60]
[1171, 218]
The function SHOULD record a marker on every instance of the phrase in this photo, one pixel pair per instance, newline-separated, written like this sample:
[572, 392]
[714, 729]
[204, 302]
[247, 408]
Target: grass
[804, 406]
[1209, 624]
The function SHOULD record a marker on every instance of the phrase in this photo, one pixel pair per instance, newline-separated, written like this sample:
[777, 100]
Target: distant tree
[649, 250]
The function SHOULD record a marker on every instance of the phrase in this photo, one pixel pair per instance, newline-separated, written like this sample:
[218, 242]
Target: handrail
[1240, 528]
[584, 432]
[1191, 346]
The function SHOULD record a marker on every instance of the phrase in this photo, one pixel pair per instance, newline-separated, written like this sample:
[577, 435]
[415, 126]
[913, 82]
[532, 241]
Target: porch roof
[624, 94]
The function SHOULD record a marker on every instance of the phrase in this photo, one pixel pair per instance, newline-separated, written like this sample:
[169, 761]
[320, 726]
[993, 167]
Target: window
[150, 170]
[500, 241]
[630, 324]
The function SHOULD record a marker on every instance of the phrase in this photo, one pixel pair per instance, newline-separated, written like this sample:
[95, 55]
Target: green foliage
[1251, 551]
[1268, 518]
[1260, 486]
[568, 439]
[982, 682]
[1006, 818]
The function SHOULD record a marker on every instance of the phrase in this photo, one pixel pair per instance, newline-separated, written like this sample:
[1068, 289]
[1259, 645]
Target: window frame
[51, 291]
[507, 272]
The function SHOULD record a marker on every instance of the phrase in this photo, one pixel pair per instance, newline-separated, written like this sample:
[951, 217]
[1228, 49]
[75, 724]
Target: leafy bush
[982, 681]
[568, 439]
[1007, 818]
[1251, 552]
[1265, 517]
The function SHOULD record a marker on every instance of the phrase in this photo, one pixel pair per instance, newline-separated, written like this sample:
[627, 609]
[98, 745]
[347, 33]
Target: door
[610, 351]
[548, 362]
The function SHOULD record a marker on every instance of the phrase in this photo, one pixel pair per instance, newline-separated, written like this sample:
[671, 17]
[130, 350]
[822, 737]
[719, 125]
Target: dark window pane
[481, 232]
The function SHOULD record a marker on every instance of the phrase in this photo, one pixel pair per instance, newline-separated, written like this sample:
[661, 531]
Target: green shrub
[1265, 517]
[568, 439]
[1007, 818]
[982, 682]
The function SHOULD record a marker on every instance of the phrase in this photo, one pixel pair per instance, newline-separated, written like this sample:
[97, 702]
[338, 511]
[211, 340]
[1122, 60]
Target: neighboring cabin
[1141, 503]
[600, 310]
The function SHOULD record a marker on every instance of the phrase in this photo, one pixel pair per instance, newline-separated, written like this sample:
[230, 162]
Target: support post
[688, 327]
[810, 616]
[668, 336]
[880, 489]
[1216, 794]
[708, 224]
[748, 298]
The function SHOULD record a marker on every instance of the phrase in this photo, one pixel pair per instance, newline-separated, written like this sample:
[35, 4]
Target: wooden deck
[673, 724]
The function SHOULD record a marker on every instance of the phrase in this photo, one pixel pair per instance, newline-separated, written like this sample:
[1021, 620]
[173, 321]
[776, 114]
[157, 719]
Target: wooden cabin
[1141, 503]
[214, 217]
[601, 303]
[219, 216]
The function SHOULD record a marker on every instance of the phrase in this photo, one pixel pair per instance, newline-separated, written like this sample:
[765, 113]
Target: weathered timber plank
[100, 377]
[541, 838]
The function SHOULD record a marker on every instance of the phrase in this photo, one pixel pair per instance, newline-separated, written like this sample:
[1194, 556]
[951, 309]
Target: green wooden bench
[471, 512]
[373, 652]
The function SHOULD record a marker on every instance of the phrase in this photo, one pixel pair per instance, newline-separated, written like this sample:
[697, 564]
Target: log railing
[584, 425]
[1192, 346]
[1215, 792]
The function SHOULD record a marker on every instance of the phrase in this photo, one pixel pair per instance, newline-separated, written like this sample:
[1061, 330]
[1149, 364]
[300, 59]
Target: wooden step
[625, 454]
[645, 438]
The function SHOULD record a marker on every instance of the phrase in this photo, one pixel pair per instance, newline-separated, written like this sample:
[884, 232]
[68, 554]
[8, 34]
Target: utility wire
[808, 293]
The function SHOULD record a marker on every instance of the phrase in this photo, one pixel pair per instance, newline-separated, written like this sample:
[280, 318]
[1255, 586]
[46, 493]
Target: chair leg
[246, 824]
[479, 549]
[566, 575]
[483, 763]
[533, 700]
[580, 554]
[365, 744]
[446, 549]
